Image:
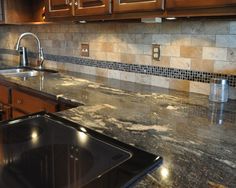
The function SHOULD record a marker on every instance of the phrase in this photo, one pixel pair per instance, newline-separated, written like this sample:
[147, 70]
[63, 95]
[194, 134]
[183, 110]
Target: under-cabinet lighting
[171, 18]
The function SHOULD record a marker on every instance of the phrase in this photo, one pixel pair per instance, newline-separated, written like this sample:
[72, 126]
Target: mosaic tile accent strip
[182, 74]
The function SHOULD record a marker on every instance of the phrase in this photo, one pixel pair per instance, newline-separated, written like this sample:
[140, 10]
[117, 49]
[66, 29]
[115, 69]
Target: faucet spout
[40, 49]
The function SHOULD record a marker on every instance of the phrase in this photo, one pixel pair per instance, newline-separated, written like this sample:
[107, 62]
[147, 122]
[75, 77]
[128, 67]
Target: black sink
[48, 151]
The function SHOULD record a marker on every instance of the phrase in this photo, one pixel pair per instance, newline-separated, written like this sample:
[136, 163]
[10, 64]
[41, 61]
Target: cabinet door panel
[92, 7]
[59, 8]
[30, 104]
[122, 6]
[4, 94]
[193, 4]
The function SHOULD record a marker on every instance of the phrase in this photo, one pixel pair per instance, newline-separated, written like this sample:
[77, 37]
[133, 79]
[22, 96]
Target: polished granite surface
[196, 138]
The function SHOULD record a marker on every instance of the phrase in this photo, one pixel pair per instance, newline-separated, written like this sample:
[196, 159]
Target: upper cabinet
[59, 8]
[92, 7]
[200, 7]
[24, 11]
[132, 9]
[127, 6]
[65, 8]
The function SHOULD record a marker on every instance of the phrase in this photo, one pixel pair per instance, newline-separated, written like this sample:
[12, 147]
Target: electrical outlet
[84, 50]
[156, 52]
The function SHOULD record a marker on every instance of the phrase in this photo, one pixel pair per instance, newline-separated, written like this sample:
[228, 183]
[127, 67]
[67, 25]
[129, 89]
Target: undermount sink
[24, 72]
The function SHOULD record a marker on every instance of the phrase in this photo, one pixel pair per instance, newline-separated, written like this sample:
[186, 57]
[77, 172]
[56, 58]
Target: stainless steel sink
[24, 72]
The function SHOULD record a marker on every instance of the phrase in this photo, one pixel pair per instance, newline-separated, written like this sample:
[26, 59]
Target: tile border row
[190, 75]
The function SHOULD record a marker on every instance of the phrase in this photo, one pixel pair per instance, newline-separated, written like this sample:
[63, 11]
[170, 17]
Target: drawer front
[31, 104]
[4, 93]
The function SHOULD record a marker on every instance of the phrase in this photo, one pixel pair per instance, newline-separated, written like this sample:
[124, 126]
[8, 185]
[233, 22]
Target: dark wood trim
[103, 9]
[152, 5]
[64, 12]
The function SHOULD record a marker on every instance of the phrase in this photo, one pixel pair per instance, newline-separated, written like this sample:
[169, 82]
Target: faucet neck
[40, 50]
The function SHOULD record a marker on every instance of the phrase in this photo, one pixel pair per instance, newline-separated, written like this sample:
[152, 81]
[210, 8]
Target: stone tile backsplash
[206, 45]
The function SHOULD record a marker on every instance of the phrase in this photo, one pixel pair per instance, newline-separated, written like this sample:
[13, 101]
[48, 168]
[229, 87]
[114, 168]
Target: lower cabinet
[27, 103]
[16, 114]
[5, 112]
[16, 102]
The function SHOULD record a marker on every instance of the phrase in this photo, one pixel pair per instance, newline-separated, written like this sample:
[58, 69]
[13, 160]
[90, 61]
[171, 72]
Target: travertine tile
[180, 63]
[89, 70]
[102, 72]
[120, 47]
[127, 58]
[190, 52]
[170, 27]
[231, 56]
[232, 27]
[161, 39]
[202, 65]
[127, 76]
[147, 49]
[164, 62]
[225, 67]
[143, 39]
[198, 87]
[232, 92]
[203, 40]
[115, 74]
[180, 40]
[172, 51]
[213, 53]
[127, 38]
[113, 56]
[160, 81]
[143, 59]
[226, 41]
[143, 79]
[216, 27]
[193, 27]
[98, 55]
[135, 48]
[181, 85]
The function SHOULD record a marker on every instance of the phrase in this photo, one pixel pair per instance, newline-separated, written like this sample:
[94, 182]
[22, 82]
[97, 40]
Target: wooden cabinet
[200, 7]
[127, 6]
[59, 8]
[5, 112]
[15, 11]
[68, 8]
[28, 103]
[92, 7]
[4, 94]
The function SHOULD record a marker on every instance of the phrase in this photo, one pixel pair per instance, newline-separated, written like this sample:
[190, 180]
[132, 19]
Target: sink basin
[24, 72]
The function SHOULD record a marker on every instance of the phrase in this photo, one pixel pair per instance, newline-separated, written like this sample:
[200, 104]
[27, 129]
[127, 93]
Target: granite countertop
[195, 137]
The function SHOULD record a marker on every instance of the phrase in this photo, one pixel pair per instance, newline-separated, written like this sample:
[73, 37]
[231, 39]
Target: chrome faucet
[23, 52]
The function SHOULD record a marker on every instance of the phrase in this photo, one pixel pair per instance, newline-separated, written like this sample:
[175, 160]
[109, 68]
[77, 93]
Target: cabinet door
[59, 8]
[31, 104]
[122, 6]
[198, 4]
[4, 94]
[92, 7]
[6, 113]
[183, 8]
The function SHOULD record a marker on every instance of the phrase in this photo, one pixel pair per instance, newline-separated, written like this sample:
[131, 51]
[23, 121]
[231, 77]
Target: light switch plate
[156, 52]
[84, 50]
